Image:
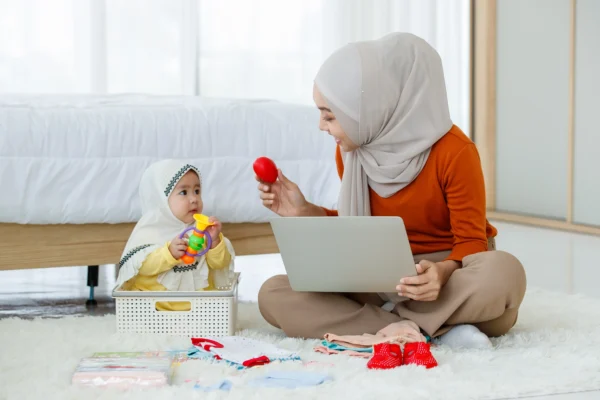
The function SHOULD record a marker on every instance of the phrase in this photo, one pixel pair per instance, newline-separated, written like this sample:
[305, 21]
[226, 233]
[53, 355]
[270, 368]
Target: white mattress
[79, 159]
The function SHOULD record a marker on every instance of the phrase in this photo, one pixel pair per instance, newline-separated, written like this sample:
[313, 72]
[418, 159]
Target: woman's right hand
[283, 197]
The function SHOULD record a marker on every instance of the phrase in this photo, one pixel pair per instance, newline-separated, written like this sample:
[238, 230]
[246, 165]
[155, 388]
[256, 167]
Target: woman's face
[330, 124]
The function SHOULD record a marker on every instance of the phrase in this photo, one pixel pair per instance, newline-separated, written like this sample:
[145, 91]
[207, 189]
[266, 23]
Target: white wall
[533, 75]
[532, 87]
[586, 208]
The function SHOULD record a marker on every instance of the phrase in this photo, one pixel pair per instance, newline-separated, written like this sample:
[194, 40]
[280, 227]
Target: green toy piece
[196, 242]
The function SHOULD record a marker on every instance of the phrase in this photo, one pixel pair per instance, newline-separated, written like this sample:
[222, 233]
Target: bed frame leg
[92, 282]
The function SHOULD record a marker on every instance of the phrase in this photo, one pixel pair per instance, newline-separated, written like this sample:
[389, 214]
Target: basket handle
[171, 302]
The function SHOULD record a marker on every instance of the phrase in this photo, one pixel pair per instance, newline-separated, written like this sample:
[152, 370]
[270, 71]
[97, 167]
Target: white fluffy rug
[554, 348]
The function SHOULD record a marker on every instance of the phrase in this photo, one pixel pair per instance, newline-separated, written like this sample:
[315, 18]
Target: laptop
[344, 254]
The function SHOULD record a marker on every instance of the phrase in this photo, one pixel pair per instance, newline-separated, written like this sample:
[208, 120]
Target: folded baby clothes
[334, 348]
[290, 379]
[352, 353]
[242, 351]
[339, 347]
[124, 370]
[404, 331]
[196, 353]
[398, 332]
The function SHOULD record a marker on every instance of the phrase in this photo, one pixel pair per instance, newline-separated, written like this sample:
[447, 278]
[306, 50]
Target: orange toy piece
[196, 244]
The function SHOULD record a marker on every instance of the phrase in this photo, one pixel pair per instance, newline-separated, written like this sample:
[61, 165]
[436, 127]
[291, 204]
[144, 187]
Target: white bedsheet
[79, 159]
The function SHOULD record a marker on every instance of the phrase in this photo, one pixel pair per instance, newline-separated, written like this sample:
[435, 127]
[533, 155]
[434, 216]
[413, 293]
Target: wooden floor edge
[543, 223]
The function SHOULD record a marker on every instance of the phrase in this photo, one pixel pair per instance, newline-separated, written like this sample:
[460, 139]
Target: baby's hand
[214, 230]
[178, 247]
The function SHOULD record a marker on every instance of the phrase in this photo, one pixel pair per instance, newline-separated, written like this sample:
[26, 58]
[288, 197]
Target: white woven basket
[212, 313]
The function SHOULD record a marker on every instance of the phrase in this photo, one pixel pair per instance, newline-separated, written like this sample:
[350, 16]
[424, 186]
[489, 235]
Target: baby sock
[385, 356]
[419, 353]
[465, 336]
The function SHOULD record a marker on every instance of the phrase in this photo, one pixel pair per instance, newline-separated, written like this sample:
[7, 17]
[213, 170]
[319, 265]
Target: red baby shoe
[385, 356]
[419, 353]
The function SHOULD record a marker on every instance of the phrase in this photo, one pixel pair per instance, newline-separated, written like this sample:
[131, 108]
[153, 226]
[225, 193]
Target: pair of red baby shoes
[389, 355]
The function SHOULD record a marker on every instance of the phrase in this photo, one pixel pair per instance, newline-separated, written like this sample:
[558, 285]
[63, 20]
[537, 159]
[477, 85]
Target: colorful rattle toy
[265, 169]
[196, 241]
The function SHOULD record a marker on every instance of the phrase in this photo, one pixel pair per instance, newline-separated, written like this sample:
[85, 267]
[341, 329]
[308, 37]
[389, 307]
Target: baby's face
[185, 199]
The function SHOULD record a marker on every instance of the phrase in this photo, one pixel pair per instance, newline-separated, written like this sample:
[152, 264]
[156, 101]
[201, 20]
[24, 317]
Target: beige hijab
[389, 96]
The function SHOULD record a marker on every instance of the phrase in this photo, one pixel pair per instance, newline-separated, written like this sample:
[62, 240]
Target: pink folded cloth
[403, 332]
[326, 350]
[121, 379]
[399, 332]
[124, 370]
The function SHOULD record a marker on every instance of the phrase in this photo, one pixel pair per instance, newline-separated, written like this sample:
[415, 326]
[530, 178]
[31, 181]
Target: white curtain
[214, 48]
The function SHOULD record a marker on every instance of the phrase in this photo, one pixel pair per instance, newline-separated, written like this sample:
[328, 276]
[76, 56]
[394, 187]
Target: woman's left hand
[427, 284]
[214, 230]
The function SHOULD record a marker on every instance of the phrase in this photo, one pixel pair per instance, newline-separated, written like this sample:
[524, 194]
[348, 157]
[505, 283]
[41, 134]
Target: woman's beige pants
[486, 292]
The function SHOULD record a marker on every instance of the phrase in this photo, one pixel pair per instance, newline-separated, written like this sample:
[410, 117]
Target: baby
[170, 194]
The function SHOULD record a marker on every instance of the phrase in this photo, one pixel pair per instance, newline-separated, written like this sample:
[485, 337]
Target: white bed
[77, 160]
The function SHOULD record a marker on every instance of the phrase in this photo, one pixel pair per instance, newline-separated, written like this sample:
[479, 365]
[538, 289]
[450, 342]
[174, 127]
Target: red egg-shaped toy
[265, 169]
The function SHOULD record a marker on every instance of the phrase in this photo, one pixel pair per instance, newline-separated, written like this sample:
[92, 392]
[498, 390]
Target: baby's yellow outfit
[161, 260]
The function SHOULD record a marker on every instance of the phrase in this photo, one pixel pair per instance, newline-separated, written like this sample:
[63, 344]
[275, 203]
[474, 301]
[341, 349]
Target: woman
[399, 154]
